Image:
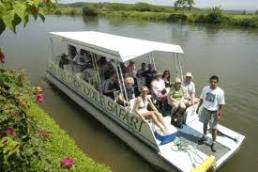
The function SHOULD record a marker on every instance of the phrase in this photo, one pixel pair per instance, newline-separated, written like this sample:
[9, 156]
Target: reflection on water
[230, 53]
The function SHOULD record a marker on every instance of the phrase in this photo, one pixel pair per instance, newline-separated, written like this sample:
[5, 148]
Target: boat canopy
[119, 48]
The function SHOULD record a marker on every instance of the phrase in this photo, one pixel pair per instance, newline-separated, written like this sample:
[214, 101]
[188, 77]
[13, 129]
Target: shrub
[89, 11]
[29, 140]
[58, 12]
[249, 22]
[73, 12]
[17, 128]
[177, 17]
[214, 16]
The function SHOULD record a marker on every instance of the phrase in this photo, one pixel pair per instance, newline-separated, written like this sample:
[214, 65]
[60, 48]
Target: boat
[179, 149]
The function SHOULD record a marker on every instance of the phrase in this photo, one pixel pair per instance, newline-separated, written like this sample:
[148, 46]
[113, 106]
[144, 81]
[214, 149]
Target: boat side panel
[137, 145]
[121, 115]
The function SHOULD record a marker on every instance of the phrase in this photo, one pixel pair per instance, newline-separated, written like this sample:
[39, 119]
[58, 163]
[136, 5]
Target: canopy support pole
[52, 48]
[95, 66]
[153, 61]
[121, 81]
[180, 67]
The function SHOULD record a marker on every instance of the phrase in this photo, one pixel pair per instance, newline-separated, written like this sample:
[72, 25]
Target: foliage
[213, 17]
[29, 140]
[175, 17]
[16, 126]
[89, 11]
[184, 4]
[14, 12]
[143, 11]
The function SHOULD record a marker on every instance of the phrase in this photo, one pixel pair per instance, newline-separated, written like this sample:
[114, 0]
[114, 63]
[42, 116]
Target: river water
[230, 53]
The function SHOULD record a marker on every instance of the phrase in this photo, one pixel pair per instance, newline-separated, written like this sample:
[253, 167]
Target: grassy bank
[144, 11]
[29, 139]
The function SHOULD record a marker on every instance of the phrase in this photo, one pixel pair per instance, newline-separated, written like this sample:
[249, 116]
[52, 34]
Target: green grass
[145, 11]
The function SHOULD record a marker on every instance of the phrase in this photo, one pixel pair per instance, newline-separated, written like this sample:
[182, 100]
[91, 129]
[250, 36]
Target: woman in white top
[140, 107]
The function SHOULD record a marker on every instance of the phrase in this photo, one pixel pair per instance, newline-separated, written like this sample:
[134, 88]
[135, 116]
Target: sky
[224, 4]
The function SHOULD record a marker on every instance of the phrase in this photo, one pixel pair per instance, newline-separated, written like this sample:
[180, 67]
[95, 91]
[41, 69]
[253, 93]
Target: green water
[230, 53]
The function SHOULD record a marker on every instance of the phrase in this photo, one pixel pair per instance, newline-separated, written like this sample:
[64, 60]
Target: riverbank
[143, 11]
[30, 140]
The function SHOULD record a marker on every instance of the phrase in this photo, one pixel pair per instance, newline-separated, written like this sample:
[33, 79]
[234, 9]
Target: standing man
[212, 99]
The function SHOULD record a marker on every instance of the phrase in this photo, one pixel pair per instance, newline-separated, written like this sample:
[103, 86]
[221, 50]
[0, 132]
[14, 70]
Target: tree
[190, 4]
[180, 4]
[14, 12]
[184, 4]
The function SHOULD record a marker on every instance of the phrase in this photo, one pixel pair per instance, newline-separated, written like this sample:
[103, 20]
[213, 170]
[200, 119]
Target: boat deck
[185, 152]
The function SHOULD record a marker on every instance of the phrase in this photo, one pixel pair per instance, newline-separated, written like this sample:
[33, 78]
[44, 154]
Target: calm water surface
[230, 53]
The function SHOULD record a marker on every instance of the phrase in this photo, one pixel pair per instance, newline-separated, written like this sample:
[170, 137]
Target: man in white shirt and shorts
[212, 99]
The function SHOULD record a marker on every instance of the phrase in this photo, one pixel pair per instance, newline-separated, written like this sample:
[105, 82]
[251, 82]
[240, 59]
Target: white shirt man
[212, 99]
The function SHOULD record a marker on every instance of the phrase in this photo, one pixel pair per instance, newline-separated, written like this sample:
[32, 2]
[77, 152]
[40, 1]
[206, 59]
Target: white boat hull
[139, 135]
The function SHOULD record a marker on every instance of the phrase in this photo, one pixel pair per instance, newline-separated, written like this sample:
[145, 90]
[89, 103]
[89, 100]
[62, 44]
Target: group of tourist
[179, 95]
[157, 89]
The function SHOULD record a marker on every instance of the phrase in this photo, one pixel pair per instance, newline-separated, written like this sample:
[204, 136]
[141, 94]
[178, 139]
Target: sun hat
[178, 80]
[188, 74]
[129, 80]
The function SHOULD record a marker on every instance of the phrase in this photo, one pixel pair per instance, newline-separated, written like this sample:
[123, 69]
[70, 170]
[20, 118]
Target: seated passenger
[110, 85]
[159, 90]
[101, 63]
[141, 107]
[72, 51]
[129, 82]
[63, 61]
[149, 75]
[176, 97]
[131, 70]
[141, 71]
[166, 77]
[189, 87]
[109, 67]
[123, 68]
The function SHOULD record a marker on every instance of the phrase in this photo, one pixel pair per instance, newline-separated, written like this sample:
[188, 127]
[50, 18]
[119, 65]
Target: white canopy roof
[117, 47]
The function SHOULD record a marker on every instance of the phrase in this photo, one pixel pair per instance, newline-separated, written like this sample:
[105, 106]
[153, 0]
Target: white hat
[177, 80]
[129, 80]
[188, 74]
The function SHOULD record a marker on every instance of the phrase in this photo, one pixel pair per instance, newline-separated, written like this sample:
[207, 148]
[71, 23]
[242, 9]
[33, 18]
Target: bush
[214, 16]
[29, 140]
[58, 12]
[89, 11]
[73, 12]
[248, 22]
[177, 17]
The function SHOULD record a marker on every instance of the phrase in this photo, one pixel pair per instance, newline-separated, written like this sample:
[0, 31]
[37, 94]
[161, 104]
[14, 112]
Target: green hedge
[144, 11]
[29, 139]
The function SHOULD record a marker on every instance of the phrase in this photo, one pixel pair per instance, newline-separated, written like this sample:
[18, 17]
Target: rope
[183, 145]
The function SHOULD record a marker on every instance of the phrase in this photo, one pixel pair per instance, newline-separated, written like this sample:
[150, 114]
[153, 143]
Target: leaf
[34, 11]
[16, 20]
[2, 26]
[21, 10]
[11, 20]
[42, 17]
